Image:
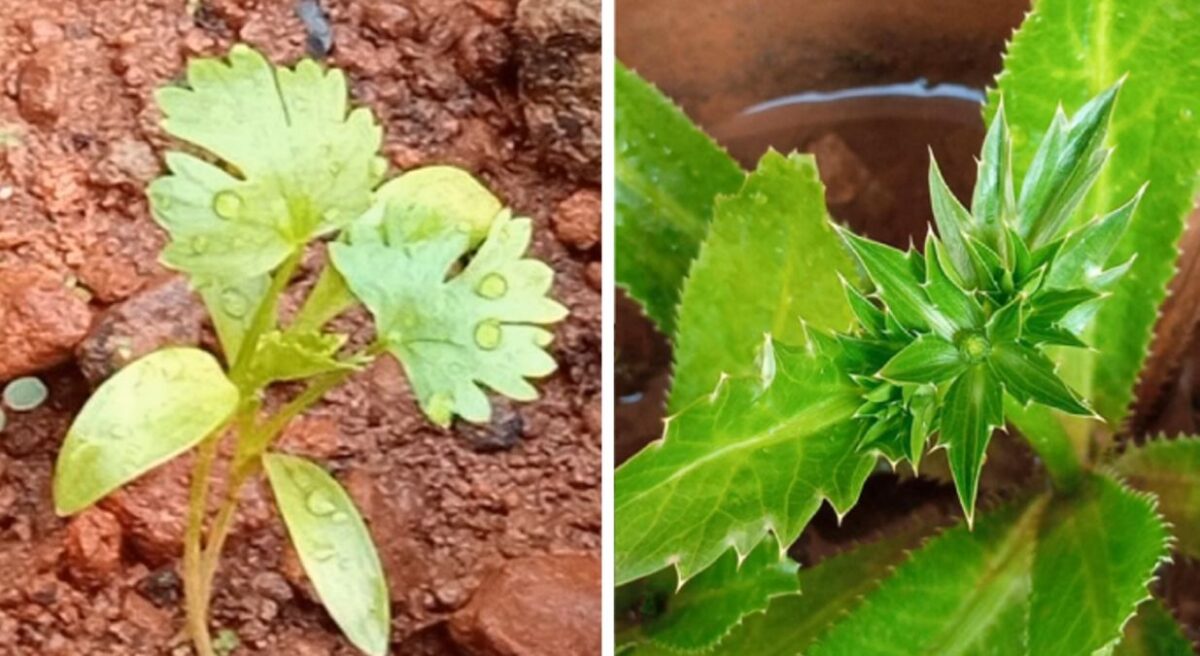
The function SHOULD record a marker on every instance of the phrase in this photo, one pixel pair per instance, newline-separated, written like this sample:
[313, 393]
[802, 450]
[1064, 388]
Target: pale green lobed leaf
[747, 459]
[697, 617]
[771, 264]
[335, 549]
[296, 163]
[294, 355]
[1170, 468]
[147, 413]
[667, 174]
[1070, 51]
[1153, 632]
[457, 330]
[423, 202]
[1058, 575]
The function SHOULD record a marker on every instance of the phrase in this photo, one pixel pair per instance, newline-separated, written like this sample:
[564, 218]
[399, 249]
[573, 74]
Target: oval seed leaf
[335, 549]
[149, 412]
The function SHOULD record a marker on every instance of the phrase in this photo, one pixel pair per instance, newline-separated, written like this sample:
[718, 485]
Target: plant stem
[193, 580]
[264, 317]
[1050, 441]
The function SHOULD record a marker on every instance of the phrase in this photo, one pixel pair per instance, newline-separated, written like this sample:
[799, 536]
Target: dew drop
[493, 285]
[234, 302]
[439, 408]
[341, 517]
[487, 334]
[198, 245]
[25, 393]
[319, 503]
[323, 551]
[227, 204]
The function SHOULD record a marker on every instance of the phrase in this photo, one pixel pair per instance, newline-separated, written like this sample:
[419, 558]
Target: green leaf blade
[715, 480]
[1171, 470]
[770, 265]
[668, 174]
[149, 412]
[335, 549]
[973, 409]
[1029, 375]
[928, 359]
[1068, 51]
[1153, 633]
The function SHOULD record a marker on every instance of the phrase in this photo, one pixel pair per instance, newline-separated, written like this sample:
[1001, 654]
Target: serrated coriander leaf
[147, 413]
[1097, 551]
[423, 202]
[699, 615]
[296, 163]
[771, 264]
[928, 359]
[1029, 375]
[335, 549]
[232, 303]
[739, 463]
[454, 331]
[972, 409]
[1171, 470]
[1153, 632]
[964, 592]
[291, 355]
[1057, 575]
[667, 175]
[1069, 51]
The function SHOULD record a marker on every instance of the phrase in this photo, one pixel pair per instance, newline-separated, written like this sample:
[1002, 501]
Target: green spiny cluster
[946, 333]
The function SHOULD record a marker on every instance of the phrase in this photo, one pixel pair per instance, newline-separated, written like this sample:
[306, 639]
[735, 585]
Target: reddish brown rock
[93, 547]
[39, 99]
[42, 321]
[577, 219]
[538, 606]
[168, 314]
[153, 511]
[312, 437]
[558, 54]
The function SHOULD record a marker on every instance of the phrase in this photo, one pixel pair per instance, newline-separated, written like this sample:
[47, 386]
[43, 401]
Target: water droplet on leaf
[319, 503]
[198, 245]
[234, 302]
[323, 551]
[227, 204]
[493, 285]
[25, 393]
[487, 334]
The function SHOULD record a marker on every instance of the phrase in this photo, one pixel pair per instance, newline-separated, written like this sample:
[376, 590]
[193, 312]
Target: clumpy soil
[873, 152]
[79, 139]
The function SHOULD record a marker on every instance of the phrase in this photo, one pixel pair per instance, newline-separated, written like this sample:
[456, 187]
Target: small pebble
[25, 393]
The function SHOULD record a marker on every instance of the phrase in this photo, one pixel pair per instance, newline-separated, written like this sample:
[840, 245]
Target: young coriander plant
[275, 162]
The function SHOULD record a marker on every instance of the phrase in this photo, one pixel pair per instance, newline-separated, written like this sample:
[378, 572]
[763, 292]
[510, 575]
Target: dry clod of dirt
[39, 98]
[167, 314]
[93, 547]
[42, 321]
[558, 50]
[536, 606]
[577, 219]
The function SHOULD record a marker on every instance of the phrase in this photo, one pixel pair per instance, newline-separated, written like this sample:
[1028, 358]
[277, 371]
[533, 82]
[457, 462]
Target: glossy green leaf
[972, 409]
[958, 306]
[1054, 576]
[147, 413]
[298, 164]
[1084, 252]
[757, 455]
[1153, 632]
[1029, 375]
[335, 549]
[770, 265]
[928, 359]
[700, 614]
[898, 284]
[456, 331]
[1171, 470]
[993, 204]
[668, 174]
[1068, 51]
[954, 224]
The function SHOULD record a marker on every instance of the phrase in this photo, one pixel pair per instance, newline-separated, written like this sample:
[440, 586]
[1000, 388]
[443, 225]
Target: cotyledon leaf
[757, 455]
[335, 548]
[1171, 470]
[147, 413]
[1069, 51]
[1153, 632]
[668, 173]
[699, 615]
[296, 163]
[771, 264]
[454, 331]
[1055, 575]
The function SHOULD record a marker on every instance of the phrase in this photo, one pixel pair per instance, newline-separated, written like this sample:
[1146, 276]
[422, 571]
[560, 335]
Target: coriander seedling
[431, 253]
